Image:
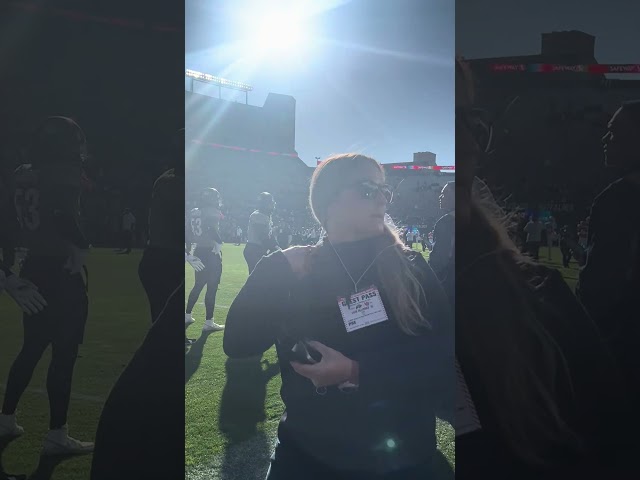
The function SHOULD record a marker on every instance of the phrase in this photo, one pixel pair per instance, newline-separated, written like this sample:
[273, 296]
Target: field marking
[74, 396]
[217, 306]
[233, 463]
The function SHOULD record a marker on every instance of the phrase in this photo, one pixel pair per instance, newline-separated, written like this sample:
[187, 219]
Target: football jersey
[167, 212]
[8, 220]
[8, 227]
[47, 206]
[257, 222]
[205, 226]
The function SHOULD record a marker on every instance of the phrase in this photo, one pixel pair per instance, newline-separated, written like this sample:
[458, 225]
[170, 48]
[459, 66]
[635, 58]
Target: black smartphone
[303, 353]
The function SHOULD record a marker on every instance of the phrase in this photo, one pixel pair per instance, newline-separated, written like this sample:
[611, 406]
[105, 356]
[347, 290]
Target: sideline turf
[118, 320]
[233, 407]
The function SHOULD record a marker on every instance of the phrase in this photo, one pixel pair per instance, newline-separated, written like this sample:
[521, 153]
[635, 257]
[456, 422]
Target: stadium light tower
[220, 82]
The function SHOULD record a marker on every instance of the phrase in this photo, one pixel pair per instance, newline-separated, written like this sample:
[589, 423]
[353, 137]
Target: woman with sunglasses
[364, 336]
[542, 389]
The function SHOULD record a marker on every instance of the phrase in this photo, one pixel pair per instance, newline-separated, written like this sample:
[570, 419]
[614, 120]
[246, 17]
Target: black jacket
[403, 379]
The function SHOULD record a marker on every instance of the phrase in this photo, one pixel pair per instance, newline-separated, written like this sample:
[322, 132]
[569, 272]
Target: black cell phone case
[303, 353]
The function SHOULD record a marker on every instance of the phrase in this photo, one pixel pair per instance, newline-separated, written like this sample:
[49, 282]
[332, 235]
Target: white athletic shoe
[9, 426]
[211, 326]
[58, 442]
[188, 320]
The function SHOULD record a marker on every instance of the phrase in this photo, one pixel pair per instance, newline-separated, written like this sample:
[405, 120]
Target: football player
[46, 197]
[24, 293]
[160, 269]
[204, 222]
[132, 437]
[261, 239]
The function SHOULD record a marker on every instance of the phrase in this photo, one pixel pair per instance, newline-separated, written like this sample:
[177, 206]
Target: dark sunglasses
[370, 189]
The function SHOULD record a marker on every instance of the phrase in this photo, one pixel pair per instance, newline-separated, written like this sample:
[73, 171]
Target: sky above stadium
[496, 28]
[373, 76]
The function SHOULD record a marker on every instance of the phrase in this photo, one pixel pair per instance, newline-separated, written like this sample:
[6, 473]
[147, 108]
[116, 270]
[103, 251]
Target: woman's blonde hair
[499, 331]
[404, 290]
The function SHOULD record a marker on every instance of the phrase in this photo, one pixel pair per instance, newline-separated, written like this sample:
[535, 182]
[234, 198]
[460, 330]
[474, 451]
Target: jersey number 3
[196, 226]
[27, 208]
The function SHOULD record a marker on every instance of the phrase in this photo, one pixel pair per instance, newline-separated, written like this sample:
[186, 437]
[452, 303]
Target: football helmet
[58, 140]
[266, 202]
[209, 197]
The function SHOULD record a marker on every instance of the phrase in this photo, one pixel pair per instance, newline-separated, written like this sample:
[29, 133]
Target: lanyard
[355, 283]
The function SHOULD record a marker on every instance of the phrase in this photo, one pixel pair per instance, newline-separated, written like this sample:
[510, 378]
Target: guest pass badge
[365, 308]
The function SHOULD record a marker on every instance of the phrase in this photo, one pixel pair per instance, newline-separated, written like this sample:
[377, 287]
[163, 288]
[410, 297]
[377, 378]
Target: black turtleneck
[403, 379]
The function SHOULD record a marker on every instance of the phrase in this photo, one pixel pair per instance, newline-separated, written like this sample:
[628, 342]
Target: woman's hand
[299, 259]
[333, 369]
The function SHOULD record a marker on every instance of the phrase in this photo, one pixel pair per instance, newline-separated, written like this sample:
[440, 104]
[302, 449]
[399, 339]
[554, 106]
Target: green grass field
[118, 321]
[233, 406]
[570, 274]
